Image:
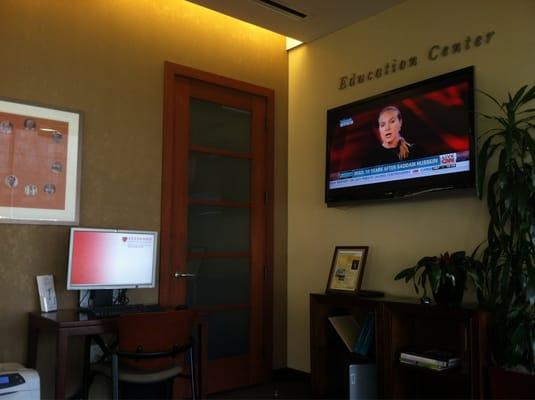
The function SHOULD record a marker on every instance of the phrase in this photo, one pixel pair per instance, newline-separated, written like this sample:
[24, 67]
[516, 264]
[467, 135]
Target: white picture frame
[40, 150]
[47, 293]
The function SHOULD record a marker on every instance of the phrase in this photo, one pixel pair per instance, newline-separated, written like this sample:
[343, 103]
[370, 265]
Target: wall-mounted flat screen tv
[411, 140]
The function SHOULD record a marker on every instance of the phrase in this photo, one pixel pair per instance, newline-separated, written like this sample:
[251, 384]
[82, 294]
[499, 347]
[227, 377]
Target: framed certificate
[347, 269]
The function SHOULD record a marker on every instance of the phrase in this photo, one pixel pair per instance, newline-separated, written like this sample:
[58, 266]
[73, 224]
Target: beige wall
[105, 58]
[398, 232]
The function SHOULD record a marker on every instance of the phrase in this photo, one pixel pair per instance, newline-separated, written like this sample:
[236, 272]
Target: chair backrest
[154, 332]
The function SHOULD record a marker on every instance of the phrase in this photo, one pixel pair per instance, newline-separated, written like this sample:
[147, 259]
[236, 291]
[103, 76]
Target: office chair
[152, 348]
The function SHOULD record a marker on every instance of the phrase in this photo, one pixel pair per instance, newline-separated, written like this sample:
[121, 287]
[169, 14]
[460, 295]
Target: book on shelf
[435, 359]
[425, 364]
[347, 328]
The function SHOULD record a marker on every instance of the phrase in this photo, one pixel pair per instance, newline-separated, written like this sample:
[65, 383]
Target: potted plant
[446, 275]
[506, 280]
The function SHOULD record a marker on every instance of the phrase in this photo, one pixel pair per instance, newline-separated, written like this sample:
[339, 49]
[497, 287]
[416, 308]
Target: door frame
[173, 71]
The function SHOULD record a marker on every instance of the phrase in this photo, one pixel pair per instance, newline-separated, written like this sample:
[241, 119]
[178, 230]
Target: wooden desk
[63, 323]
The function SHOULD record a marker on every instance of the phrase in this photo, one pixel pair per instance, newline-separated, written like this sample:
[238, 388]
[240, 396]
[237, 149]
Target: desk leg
[61, 364]
[86, 377]
[33, 337]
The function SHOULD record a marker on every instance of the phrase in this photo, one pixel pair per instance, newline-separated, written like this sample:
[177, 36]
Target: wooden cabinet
[328, 355]
[399, 325]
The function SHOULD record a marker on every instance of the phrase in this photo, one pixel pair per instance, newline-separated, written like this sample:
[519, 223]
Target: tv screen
[414, 139]
[111, 259]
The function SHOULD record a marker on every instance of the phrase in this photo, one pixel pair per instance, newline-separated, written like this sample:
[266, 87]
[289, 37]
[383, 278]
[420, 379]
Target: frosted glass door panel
[228, 334]
[218, 281]
[212, 228]
[214, 177]
[219, 126]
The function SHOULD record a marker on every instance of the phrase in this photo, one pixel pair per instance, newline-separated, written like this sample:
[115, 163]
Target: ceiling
[304, 20]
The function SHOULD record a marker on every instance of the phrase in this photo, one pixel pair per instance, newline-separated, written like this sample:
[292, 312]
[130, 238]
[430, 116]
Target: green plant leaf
[475, 277]
[423, 279]
[531, 147]
[492, 98]
[435, 275]
[530, 289]
[425, 261]
[484, 155]
[524, 120]
[491, 199]
[488, 116]
[529, 96]
[529, 110]
[408, 272]
[515, 102]
[458, 257]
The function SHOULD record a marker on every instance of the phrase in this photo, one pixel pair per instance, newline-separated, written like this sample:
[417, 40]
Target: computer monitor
[111, 259]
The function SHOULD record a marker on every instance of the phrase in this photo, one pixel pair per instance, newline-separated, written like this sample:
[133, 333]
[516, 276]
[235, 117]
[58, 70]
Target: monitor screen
[410, 140]
[111, 259]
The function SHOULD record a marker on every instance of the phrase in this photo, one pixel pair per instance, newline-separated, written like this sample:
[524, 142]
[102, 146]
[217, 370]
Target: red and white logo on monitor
[125, 238]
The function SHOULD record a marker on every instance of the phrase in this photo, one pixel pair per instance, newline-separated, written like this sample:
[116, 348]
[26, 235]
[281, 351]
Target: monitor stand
[101, 298]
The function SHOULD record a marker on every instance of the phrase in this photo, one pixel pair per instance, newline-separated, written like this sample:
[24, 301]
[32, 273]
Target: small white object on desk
[47, 293]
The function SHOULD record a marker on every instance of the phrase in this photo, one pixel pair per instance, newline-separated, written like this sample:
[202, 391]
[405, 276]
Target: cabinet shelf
[455, 372]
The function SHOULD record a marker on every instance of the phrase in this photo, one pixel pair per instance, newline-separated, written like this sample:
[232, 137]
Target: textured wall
[105, 58]
[398, 232]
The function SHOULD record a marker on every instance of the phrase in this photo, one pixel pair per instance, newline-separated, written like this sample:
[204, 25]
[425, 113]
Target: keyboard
[119, 309]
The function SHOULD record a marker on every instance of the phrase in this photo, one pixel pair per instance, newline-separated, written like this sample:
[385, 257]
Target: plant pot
[504, 384]
[451, 290]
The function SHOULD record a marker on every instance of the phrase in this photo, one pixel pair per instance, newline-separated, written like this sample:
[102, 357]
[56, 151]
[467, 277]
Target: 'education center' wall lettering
[434, 53]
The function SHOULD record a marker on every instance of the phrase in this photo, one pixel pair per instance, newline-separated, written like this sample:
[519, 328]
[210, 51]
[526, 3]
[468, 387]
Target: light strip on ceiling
[282, 9]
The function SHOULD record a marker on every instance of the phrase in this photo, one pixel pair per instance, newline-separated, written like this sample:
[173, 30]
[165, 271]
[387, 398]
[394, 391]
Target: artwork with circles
[39, 164]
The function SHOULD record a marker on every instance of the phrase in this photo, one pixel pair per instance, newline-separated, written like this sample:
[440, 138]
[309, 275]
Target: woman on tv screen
[393, 146]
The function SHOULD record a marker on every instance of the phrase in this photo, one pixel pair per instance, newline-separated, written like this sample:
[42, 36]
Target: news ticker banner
[422, 167]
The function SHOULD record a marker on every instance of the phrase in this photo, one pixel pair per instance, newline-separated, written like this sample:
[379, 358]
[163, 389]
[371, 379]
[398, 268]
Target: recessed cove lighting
[292, 43]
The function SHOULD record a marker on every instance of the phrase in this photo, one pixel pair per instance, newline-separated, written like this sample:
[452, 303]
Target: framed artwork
[39, 164]
[347, 269]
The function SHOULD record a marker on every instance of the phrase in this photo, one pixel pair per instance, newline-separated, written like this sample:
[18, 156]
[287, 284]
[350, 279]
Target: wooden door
[216, 236]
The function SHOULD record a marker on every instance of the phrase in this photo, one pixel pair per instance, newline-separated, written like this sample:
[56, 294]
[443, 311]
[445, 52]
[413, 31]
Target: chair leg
[115, 376]
[193, 374]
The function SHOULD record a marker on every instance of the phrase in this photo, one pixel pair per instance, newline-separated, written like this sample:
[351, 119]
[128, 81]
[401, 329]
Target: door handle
[184, 275]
